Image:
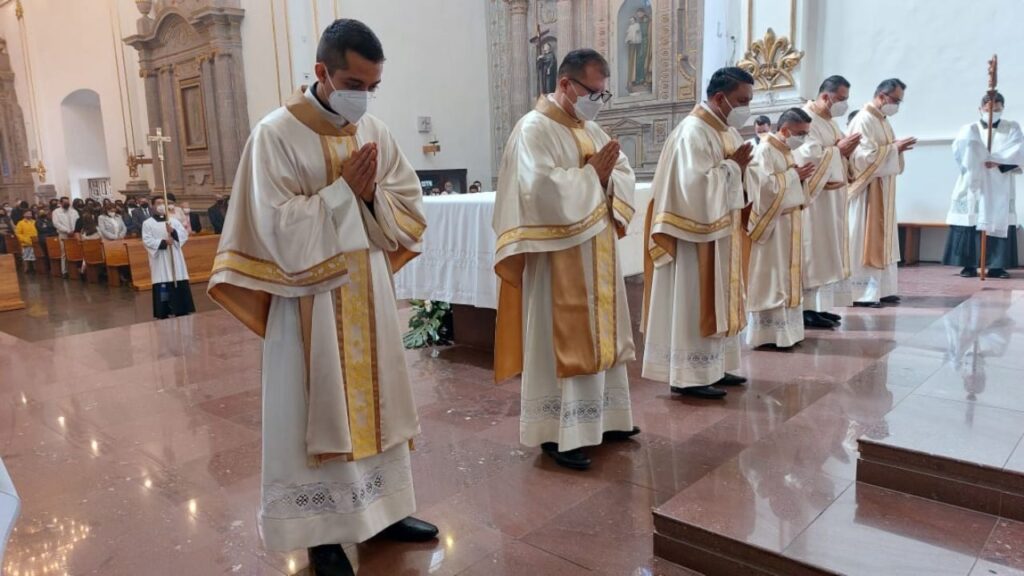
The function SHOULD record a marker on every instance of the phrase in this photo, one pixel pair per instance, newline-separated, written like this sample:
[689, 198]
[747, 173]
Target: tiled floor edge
[942, 466]
[713, 554]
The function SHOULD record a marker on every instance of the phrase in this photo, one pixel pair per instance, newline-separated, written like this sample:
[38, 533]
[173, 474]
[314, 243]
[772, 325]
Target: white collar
[331, 117]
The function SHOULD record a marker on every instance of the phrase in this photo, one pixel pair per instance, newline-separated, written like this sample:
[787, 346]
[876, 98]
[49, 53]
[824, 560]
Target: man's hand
[360, 171]
[848, 145]
[805, 171]
[906, 144]
[990, 164]
[170, 228]
[604, 161]
[742, 155]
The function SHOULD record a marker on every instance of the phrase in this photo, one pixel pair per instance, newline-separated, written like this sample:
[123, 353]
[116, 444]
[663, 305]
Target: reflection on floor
[135, 446]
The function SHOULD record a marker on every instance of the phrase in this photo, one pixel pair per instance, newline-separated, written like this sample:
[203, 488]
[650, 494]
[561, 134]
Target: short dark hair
[762, 120]
[347, 34]
[998, 98]
[171, 197]
[832, 84]
[849, 118]
[889, 86]
[727, 79]
[156, 197]
[793, 116]
[575, 63]
[62, 198]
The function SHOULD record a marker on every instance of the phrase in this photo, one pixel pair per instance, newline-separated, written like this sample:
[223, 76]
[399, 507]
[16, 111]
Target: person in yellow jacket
[27, 233]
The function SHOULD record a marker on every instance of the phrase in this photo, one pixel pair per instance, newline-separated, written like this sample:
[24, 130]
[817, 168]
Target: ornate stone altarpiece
[190, 54]
[15, 176]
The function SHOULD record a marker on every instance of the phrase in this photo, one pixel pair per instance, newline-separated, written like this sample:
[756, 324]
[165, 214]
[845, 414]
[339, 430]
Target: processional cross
[159, 140]
[993, 70]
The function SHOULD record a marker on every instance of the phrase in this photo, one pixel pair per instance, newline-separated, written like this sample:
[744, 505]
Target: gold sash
[585, 337]
[881, 211]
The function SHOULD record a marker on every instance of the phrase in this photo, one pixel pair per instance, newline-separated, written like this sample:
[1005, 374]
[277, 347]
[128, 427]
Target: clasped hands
[360, 171]
[604, 161]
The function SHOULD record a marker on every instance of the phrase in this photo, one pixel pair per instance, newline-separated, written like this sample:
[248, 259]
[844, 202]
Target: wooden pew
[115, 255]
[53, 253]
[910, 240]
[199, 252]
[42, 263]
[75, 256]
[10, 292]
[92, 250]
[11, 245]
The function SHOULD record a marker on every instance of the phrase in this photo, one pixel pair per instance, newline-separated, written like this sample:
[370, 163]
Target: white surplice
[307, 264]
[986, 197]
[826, 220]
[774, 294]
[556, 243]
[160, 261]
[874, 245]
[691, 334]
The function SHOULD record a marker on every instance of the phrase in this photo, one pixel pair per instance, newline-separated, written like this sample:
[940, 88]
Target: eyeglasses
[894, 99]
[604, 96]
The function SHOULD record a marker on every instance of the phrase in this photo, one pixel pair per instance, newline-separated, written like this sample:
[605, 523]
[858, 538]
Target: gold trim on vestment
[605, 298]
[692, 226]
[761, 221]
[573, 336]
[250, 307]
[796, 258]
[267, 271]
[407, 222]
[552, 232]
[823, 168]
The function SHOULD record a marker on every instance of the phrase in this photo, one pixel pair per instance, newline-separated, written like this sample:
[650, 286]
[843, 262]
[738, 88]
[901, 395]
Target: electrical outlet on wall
[424, 124]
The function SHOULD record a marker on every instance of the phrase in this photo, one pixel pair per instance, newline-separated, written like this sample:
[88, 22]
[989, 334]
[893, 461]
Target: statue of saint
[547, 69]
[638, 51]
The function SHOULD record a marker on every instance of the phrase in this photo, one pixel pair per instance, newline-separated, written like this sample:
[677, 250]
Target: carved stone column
[15, 179]
[520, 57]
[226, 91]
[168, 122]
[566, 27]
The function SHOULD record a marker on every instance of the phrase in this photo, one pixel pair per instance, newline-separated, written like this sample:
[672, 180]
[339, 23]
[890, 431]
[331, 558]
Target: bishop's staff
[159, 140]
[993, 69]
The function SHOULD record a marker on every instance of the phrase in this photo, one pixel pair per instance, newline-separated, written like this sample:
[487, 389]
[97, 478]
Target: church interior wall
[85, 151]
[72, 47]
[436, 66]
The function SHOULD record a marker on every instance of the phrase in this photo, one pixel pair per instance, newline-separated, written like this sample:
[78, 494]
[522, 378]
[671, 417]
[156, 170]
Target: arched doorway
[85, 146]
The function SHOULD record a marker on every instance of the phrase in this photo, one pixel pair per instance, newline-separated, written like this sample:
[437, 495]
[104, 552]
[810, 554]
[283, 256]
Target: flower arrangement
[430, 325]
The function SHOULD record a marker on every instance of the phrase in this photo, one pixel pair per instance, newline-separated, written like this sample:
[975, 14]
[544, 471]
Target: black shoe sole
[686, 392]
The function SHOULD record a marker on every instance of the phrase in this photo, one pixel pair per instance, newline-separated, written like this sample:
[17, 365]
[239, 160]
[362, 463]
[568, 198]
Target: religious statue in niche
[638, 50]
[547, 68]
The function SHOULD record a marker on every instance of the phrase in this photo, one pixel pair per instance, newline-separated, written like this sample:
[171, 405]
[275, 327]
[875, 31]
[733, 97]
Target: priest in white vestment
[325, 208]
[565, 191]
[826, 220]
[776, 190]
[163, 238]
[694, 288]
[874, 165]
[985, 195]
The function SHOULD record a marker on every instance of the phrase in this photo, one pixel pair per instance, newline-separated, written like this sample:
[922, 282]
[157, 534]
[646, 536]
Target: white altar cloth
[457, 263]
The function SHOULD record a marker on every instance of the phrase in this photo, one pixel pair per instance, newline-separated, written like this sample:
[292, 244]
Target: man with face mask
[693, 296]
[110, 224]
[141, 214]
[984, 197]
[775, 186]
[874, 165]
[64, 220]
[323, 194]
[564, 191]
[826, 258]
[164, 236]
[762, 128]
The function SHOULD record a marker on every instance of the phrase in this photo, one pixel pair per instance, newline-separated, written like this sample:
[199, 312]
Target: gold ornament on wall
[771, 61]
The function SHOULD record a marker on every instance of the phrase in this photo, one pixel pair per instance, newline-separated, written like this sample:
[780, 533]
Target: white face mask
[161, 210]
[349, 104]
[794, 141]
[187, 210]
[839, 108]
[995, 116]
[890, 109]
[587, 109]
[738, 115]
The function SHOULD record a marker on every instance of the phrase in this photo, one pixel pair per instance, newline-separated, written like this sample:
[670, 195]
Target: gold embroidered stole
[881, 210]
[584, 333]
[663, 246]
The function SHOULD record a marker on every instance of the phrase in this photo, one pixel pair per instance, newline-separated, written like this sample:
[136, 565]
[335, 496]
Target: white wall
[436, 66]
[72, 46]
[84, 144]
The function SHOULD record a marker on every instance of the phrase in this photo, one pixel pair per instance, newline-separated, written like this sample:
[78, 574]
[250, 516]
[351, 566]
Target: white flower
[427, 305]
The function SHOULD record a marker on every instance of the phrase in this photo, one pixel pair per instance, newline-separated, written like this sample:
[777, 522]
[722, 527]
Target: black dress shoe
[620, 435]
[969, 273]
[894, 299]
[830, 316]
[998, 273]
[704, 392]
[410, 529]
[573, 459]
[867, 304]
[329, 560]
[731, 380]
[815, 320]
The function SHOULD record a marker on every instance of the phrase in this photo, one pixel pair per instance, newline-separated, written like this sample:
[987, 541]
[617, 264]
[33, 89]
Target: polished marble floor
[135, 446]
